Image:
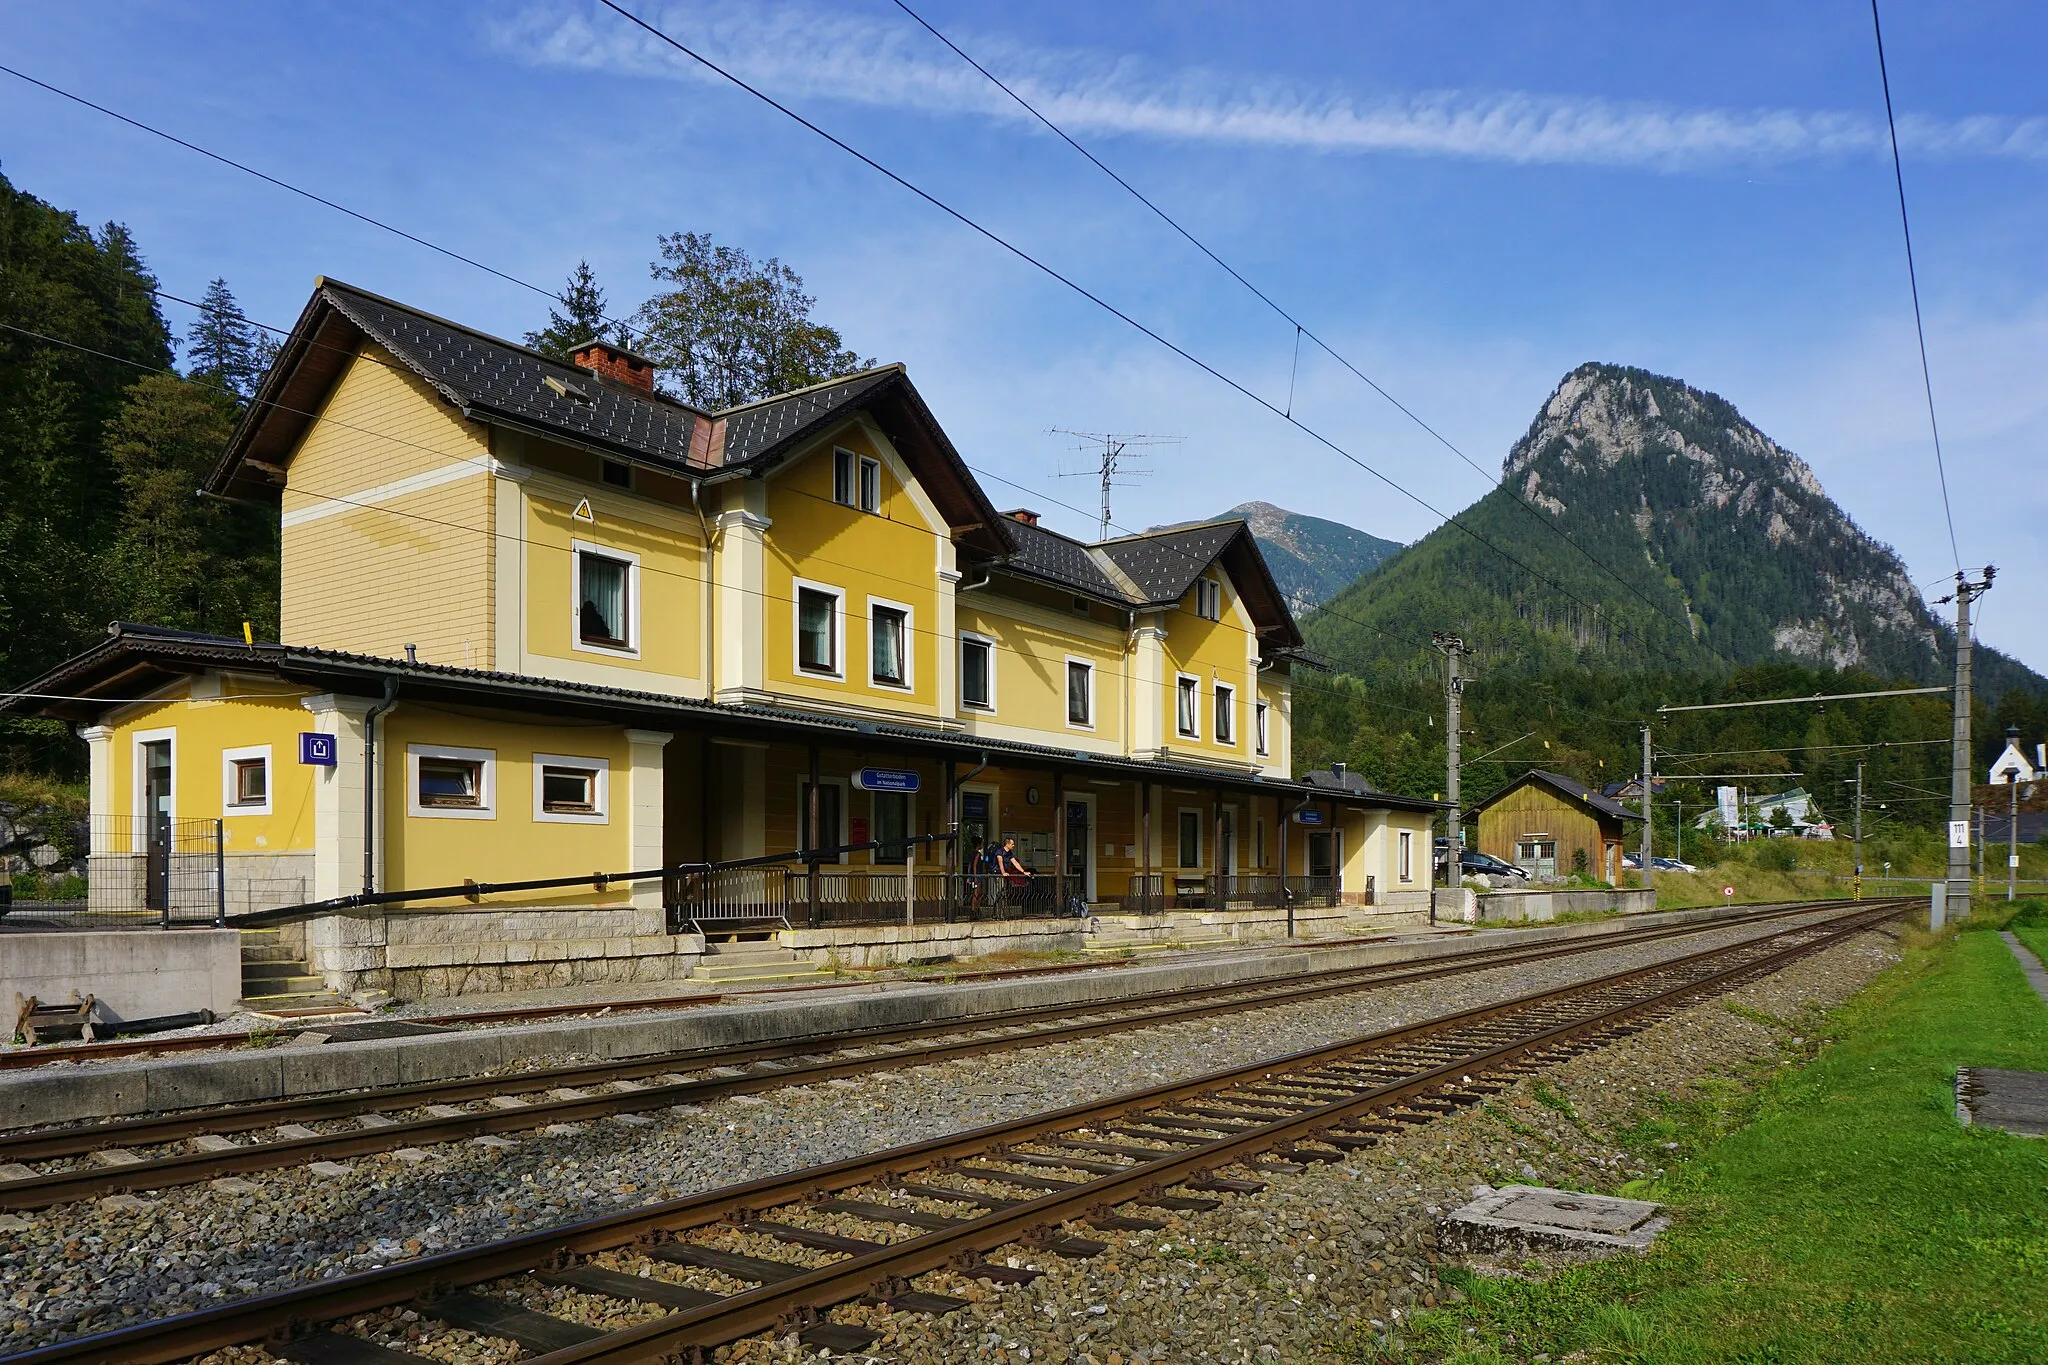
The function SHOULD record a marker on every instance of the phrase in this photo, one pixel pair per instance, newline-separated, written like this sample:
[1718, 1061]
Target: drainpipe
[1287, 818]
[370, 780]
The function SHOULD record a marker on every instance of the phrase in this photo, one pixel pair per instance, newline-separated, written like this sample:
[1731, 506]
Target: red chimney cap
[1023, 514]
[616, 363]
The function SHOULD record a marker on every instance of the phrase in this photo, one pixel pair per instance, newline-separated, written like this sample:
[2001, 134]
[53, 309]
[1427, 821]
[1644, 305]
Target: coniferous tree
[584, 321]
[731, 330]
[224, 349]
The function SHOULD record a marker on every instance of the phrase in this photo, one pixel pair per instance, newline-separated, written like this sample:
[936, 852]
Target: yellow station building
[542, 621]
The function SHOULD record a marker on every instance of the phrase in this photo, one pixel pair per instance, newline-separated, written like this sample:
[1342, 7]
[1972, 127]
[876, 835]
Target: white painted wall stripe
[338, 504]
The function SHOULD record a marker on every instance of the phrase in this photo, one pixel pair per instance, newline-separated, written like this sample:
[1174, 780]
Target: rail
[1079, 1163]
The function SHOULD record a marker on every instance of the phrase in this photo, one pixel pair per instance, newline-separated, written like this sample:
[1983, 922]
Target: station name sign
[885, 780]
[1308, 817]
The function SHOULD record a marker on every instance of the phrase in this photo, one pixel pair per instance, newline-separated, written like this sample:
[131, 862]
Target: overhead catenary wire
[1300, 328]
[1913, 282]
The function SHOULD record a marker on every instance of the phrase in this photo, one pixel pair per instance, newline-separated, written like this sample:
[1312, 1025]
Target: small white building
[2015, 758]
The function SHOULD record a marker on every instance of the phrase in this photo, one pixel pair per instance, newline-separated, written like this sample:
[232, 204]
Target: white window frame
[1404, 844]
[579, 548]
[600, 790]
[967, 637]
[487, 783]
[1262, 734]
[230, 807]
[867, 478]
[1208, 599]
[1182, 682]
[138, 785]
[1223, 697]
[1066, 681]
[843, 458]
[796, 630]
[909, 683]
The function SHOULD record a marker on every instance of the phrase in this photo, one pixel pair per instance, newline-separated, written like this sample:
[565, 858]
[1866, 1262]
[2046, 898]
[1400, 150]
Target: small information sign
[885, 779]
[1959, 834]
[315, 749]
[1308, 817]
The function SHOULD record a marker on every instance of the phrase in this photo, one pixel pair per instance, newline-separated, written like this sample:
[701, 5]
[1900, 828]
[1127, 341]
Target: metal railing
[142, 872]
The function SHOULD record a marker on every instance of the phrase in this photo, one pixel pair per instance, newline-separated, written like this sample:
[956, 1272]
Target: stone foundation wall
[436, 953]
[1499, 907]
[886, 945]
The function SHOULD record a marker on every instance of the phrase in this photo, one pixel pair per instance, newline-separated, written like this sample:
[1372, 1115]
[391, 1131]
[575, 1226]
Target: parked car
[1632, 861]
[1474, 862]
[1672, 865]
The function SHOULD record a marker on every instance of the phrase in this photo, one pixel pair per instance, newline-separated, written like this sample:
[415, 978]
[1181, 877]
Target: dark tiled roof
[1577, 791]
[762, 426]
[1055, 558]
[1165, 564]
[173, 651]
[476, 371]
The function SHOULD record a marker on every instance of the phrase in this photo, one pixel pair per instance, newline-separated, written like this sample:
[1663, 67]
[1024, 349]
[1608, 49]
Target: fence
[162, 872]
[757, 899]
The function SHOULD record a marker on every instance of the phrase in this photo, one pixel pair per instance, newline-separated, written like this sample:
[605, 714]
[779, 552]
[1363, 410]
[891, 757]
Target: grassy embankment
[1810, 869]
[1834, 1212]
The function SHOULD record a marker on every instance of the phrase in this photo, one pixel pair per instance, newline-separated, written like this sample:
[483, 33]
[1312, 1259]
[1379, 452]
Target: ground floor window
[450, 782]
[570, 790]
[1190, 838]
[1407, 856]
[245, 780]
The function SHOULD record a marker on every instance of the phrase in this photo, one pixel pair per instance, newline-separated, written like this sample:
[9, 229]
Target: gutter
[370, 718]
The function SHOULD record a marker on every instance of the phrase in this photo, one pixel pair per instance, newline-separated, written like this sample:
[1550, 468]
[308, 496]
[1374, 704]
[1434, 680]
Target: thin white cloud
[796, 50]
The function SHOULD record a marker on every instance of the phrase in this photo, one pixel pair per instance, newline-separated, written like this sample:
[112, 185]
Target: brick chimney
[1023, 514]
[616, 363]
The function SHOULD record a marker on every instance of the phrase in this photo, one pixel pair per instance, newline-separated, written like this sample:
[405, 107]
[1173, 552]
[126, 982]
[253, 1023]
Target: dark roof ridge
[1178, 528]
[846, 378]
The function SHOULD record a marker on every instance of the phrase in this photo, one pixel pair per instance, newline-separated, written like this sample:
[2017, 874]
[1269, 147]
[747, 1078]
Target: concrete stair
[275, 981]
[733, 961]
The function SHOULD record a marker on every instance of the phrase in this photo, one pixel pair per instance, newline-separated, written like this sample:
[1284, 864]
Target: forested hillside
[1312, 559]
[101, 446]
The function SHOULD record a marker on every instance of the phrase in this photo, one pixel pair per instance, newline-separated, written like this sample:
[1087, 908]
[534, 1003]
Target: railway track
[89, 1160]
[785, 1252]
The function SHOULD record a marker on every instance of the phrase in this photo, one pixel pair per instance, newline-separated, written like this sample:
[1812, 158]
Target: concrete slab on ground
[1532, 1217]
[2037, 975]
[2017, 1101]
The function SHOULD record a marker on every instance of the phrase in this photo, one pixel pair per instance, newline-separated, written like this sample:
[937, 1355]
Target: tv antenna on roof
[1110, 449]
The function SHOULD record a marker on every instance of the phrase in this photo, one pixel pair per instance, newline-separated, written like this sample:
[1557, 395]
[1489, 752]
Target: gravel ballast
[1362, 1229]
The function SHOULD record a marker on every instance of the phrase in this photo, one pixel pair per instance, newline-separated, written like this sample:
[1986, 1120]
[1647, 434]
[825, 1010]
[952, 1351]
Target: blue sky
[1467, 200]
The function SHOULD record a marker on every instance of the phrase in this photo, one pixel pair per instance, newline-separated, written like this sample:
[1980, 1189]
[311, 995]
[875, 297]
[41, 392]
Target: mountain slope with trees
[1655, 530]
[1312, 559]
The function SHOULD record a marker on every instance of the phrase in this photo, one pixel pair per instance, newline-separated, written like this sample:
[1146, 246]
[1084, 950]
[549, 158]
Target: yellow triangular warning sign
[583, 512]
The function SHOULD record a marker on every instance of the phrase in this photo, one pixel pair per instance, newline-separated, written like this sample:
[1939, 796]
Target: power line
[1913, 280]
[1096, 299]
[1300, 328]
[299, 190]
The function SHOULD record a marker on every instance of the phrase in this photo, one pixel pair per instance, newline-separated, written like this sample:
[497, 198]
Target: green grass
[1834, 1213]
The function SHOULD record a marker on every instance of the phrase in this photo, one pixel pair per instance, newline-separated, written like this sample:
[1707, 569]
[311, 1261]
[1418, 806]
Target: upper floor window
[818, 629]
[1080, 692]
[889, 643]
[1208, 599]
[1187, 718]
[606, 612]
[856, 481]
[1261, 722]
[617, 473]
[978, 672]
[1226, 714]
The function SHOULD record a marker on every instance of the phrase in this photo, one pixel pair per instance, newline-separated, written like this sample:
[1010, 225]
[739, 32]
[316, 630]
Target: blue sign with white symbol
[1308, 817]
[885, 780]
[315, 749]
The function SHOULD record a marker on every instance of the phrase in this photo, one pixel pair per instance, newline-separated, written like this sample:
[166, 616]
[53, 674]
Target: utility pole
[1958, 889]
[2012, 833]
[1453, 648]
[1649, 870]
[1856, 879]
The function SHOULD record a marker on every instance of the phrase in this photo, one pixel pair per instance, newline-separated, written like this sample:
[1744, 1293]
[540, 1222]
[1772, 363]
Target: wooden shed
[1542, 820]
